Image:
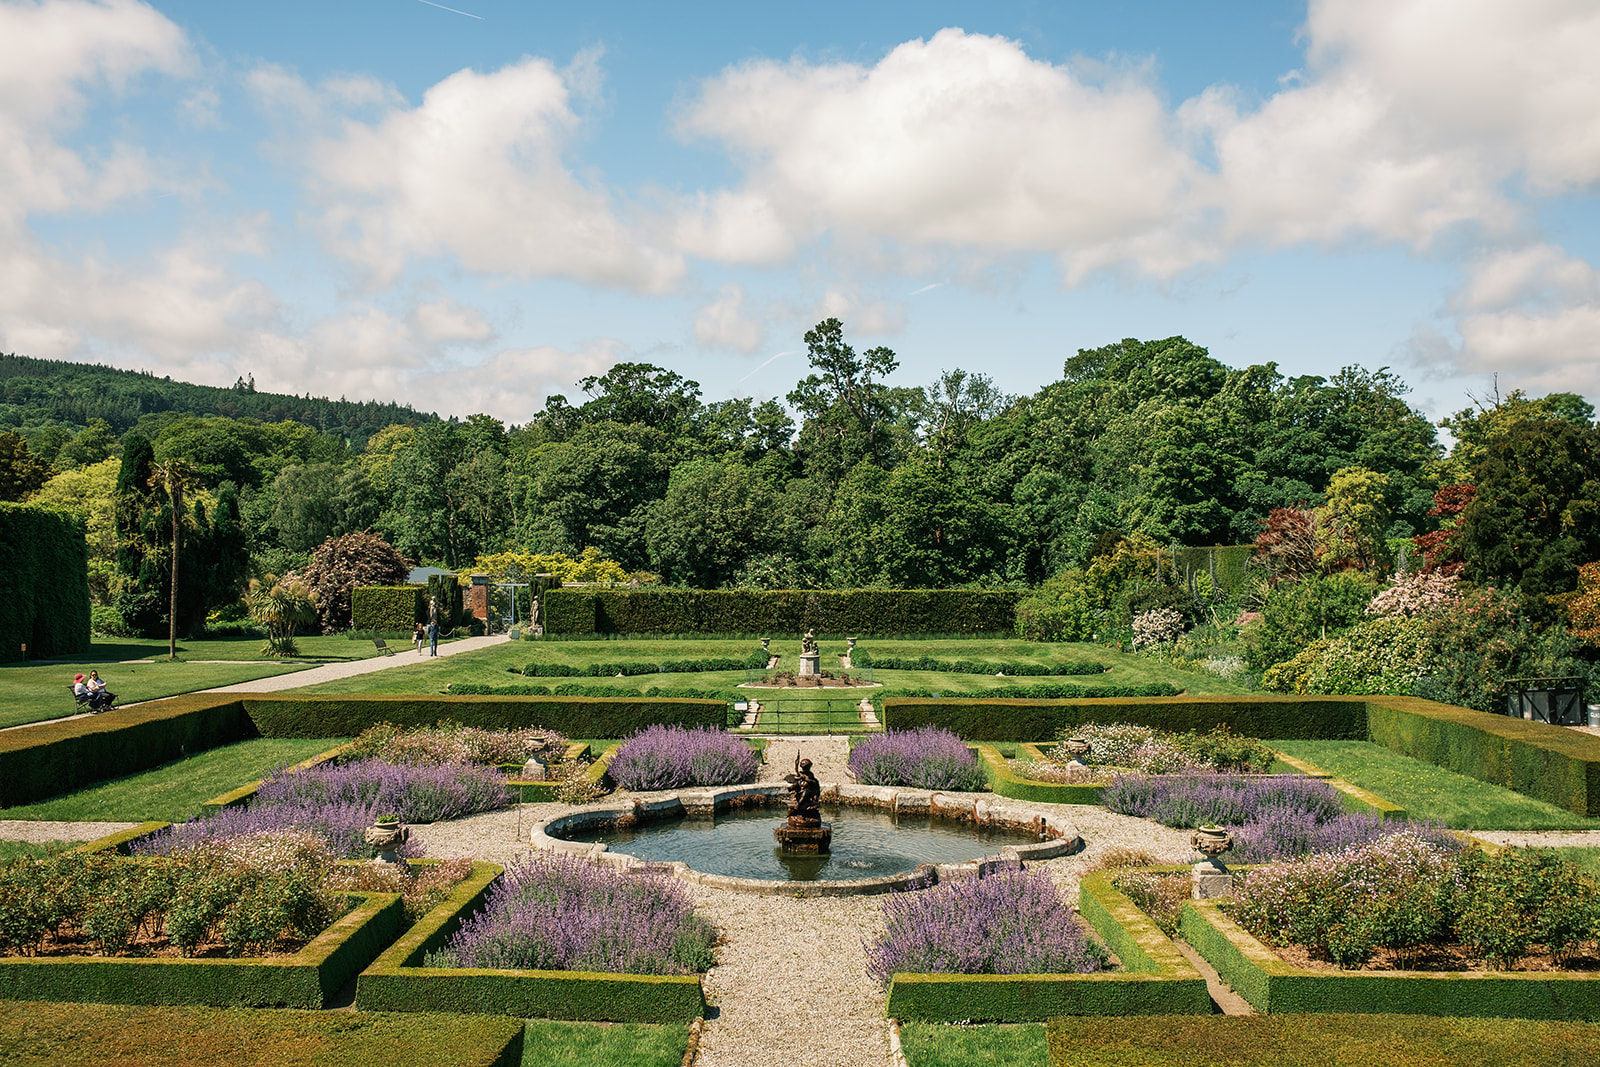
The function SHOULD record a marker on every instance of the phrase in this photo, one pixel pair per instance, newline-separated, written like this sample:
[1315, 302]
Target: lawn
[936, 1045]
[1587, 858]
[493, 666]
[69, 1035]
[1429, 792]
[174, 791]
[10, 850]
[35, 693]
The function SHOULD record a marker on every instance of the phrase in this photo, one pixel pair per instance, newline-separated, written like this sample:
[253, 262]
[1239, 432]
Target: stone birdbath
[386, 834]
[1209, 877]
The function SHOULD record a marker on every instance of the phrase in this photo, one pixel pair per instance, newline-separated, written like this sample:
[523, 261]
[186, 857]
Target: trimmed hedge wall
[882, 612]
[305, 979]
[347, 716]
[44, 584]
[579, 689]
[388, 607]
[1155, 979]
[975, 719]
[50, 758]
[1552, 763]
[396, 981]
[1272, 985]
[1049, 691]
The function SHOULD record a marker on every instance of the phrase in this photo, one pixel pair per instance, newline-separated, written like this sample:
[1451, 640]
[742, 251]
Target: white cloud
[723, 323]
[476, 171]
[1530, 315]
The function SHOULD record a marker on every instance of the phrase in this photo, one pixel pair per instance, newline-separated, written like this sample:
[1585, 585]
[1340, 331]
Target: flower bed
[93, 927]
[671, 757]
[402, 980]
[338, 802]
[451, 742]
[1128, 746]
[1154, 977]
[924, 758]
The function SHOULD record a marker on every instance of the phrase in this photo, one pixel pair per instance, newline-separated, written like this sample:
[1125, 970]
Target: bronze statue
[805, 794]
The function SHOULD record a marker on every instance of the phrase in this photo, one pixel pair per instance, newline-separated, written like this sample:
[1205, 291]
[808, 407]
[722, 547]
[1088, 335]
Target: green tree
[174, 477]
[1351, 525]
[715, 516]
[90, 491]
[21, 472]
[848, 409]
[281, 605]
[96, 443]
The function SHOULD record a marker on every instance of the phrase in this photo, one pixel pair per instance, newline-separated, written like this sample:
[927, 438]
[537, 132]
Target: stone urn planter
[387, 834]
[1209, 877]
[1077, 747]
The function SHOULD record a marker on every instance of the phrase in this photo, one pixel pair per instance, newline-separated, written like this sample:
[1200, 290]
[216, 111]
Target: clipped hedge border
[879, 612]
[396, 981]
[388, 607]
[757, 660]
[44, 584]
[58, 757]
[347, 716]
[864, 657]
[1004, 782]
[992, 719]
[1155, 978]
[1551, 763]
[1274, 986]
[305, 979]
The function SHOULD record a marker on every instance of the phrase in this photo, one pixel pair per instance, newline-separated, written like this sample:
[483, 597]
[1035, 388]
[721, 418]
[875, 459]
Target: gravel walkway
[330, 672]
[41, 832]
[1540, 838]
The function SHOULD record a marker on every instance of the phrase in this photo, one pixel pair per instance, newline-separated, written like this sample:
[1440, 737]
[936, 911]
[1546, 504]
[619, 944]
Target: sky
[469, 207]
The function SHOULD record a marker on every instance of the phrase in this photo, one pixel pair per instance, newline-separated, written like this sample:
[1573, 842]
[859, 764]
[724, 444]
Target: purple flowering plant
[925, 758]
[558, 912]
[671, 757]
[1010, 923]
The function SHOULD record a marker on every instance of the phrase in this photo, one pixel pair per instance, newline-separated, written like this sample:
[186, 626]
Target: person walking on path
[433, 638]
[417, 637]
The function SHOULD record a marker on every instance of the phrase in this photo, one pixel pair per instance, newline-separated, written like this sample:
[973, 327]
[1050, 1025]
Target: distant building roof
[420, 575]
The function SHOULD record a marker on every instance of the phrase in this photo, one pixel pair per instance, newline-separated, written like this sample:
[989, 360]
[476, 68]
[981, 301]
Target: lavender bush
[670, 757]
[1279, 834]
[340, 824]
[1013, 923]
[560, 912]
[1218, 799]
[924, 758]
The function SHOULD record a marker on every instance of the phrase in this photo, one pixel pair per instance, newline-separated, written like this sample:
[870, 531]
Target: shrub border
[396, 980]
[305, 979]
[1274, 986]
[1004, 782]
[1156, 979]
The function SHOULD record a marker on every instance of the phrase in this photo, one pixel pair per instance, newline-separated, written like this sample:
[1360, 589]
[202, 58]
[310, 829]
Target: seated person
[100, 698]
[80, 689]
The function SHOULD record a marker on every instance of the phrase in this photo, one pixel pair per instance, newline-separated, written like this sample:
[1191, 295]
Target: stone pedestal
[809, 839]
[1210, 879]
[808, 664]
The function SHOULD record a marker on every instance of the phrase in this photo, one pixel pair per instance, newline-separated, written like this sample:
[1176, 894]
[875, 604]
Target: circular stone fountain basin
[883, 839]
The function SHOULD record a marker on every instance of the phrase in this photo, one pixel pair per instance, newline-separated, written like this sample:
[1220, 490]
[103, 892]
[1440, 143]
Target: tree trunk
[172, 613]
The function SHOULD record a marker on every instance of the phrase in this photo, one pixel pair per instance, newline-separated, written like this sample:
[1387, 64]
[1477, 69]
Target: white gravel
[41, 832]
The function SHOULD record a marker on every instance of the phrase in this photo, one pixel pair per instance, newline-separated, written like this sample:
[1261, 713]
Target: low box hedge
[1155, 978]
[1551, 763]
[57, 757]
[347, 716]
[397, 981]
[305, 979]
[1351, 795]
[242, 795]
[1004, 782]
[989, 719]
[864, 657]
[1272, 985]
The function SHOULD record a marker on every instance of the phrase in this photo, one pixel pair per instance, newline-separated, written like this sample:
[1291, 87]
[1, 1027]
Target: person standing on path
[433, 638]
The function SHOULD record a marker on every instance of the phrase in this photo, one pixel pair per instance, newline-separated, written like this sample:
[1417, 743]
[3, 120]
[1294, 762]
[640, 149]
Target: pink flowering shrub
[1416, 594]
[1159, 626]
[451, 742]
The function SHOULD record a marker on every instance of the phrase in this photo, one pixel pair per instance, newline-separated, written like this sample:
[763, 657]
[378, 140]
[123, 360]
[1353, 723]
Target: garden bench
[382, 646]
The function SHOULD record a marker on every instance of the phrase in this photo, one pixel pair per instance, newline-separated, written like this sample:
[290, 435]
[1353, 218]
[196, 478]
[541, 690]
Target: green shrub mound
[757, 660]
[862, 657]
[388, 607]
[44, 583]
[1011, 719]
[880, 612]
[578, 689]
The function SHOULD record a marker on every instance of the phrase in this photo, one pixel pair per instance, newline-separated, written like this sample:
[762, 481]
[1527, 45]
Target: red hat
[79, 678]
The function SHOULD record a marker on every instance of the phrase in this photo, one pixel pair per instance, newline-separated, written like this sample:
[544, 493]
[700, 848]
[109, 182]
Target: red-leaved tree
[340, 564]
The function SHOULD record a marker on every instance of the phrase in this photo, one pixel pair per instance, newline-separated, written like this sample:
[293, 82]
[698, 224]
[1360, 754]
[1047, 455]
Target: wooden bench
[382, 646]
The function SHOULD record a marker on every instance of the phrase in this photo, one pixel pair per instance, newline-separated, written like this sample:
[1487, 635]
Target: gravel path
[1540, 838]
[333, 671]
[41, 832]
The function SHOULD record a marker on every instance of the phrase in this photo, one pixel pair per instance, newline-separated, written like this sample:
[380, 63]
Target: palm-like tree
[281, 605]
[176, 476]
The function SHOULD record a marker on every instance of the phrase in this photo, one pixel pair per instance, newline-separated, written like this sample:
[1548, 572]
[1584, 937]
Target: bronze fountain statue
[805, 832]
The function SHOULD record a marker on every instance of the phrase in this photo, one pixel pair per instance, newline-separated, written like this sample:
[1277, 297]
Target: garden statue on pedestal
[1210, 878]
[809, 655]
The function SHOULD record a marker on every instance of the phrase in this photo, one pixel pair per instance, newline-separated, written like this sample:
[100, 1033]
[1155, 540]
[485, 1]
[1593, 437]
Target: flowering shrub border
[1274, 986]
[1155, 979]
[305, 979]
[396, 980]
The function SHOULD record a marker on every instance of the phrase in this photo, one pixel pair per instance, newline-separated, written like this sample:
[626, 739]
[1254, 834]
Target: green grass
[1314, 1041]
[38, 1034]
[1587, 858]
[10, 850]
[560, 1044]
[1429, 792]
[937, 1045]
[491, 666]
[174, 791]
[320, 648]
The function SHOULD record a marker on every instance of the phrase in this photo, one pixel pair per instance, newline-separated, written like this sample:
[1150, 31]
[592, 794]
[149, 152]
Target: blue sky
[384, 198]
